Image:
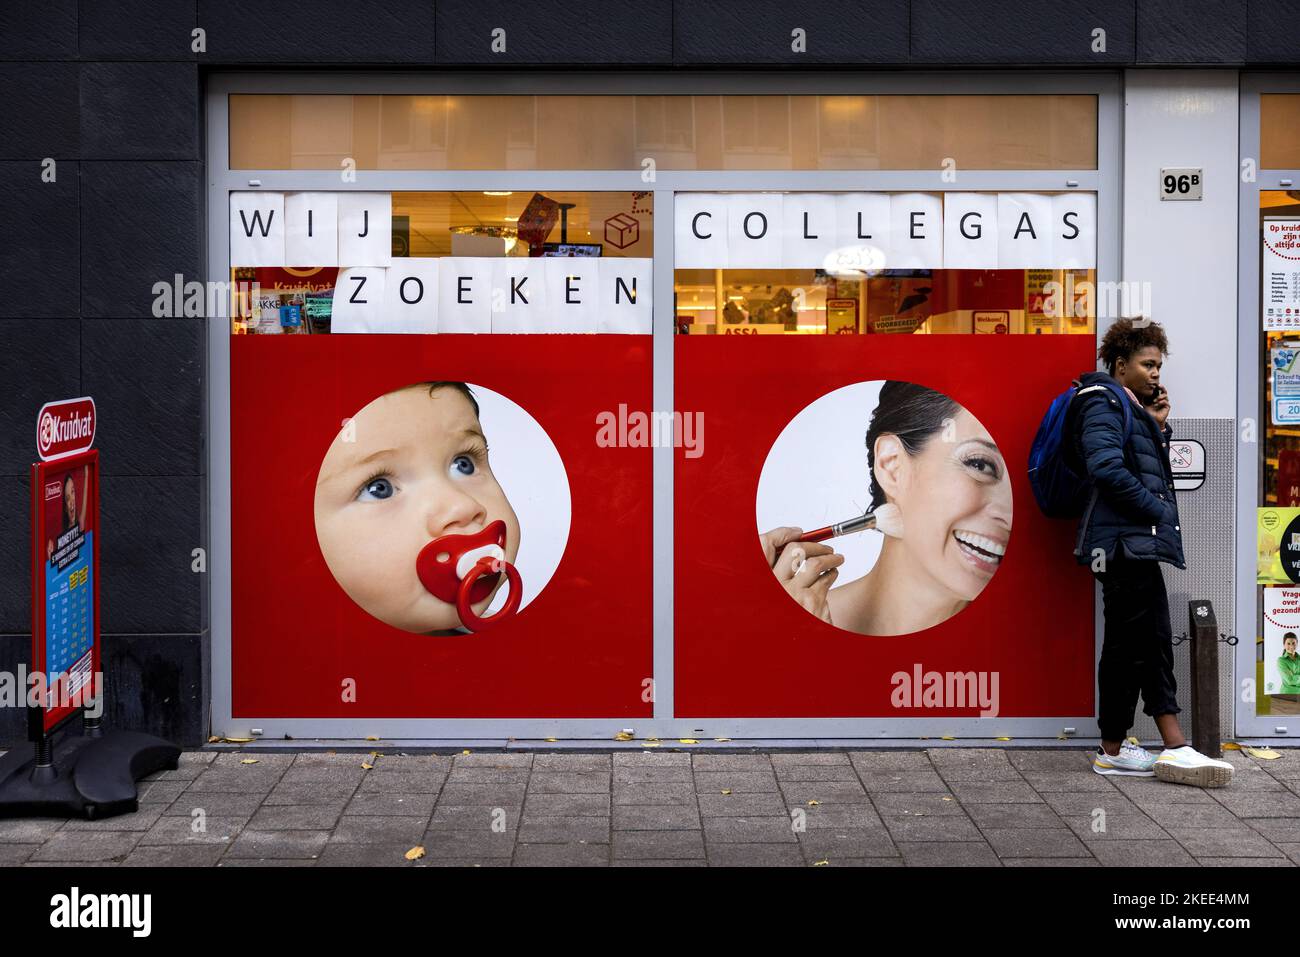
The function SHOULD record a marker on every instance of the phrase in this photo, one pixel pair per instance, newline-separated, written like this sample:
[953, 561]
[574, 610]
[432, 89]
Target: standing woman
[1129, 527]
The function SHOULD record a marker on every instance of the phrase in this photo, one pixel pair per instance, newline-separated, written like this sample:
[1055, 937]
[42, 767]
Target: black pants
[1137, 653]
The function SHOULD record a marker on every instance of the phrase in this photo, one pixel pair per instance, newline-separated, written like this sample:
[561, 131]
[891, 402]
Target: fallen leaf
[649, 744]
[550, 739]
[822, 863]
[1002, 739]
[687, 741]
[213, 740]
[947, 737]
[651, 738]
[1231, 746]
[947, 797]
[372, 737]
[466, 751]
[237, 740]
[622, 736]
[721, 739]
[367, 766]
[814, 803]
[249, 761]
[726, 790]
[415, 853]
[1266, 754]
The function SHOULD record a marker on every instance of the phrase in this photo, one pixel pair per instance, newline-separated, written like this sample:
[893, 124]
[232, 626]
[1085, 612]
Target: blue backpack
[1061, 492]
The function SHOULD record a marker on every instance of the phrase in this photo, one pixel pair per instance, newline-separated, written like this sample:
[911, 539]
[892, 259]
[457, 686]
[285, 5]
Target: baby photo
[411, 521]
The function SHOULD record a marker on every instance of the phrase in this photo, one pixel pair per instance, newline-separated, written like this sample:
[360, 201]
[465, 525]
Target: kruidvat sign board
[65, 560]
[65, 427]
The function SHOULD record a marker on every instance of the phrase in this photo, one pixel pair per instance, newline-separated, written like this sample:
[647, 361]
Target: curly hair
[1124, 338]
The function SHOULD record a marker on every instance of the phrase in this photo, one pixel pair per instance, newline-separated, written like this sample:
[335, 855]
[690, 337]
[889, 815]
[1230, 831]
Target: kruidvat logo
[63, 428]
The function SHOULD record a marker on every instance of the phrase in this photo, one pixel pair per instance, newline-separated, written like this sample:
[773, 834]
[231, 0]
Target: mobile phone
[1154, 396]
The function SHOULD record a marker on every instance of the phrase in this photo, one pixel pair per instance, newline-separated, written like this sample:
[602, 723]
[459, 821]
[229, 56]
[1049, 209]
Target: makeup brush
[887, 519]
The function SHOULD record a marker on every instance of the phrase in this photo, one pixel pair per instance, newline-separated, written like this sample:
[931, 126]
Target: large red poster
[744, 648]
[302, 647]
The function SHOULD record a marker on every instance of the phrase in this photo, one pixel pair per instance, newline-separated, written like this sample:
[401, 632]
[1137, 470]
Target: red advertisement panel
[745, 648]
[338, 607]
[65, 583]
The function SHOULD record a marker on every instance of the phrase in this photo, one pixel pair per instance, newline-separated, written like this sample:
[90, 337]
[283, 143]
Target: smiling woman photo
[941, 470]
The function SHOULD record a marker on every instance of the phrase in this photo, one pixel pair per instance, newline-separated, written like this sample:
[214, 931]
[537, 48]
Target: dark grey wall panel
[140, 224]
[141, 111]
[136, 29]
[147, 380]
[274, 32]
[40, 110]
[38, 31]
[40, 361]
[15, 651]
[15, 545]
[1022, 32]
[728, 32]
[150, 527]
[154, 684]
[1192, 32]
[578, 32]
[1273, 32]
[40, 272]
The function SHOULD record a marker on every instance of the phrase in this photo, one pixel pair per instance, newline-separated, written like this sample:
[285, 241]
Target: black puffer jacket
[1132, 504]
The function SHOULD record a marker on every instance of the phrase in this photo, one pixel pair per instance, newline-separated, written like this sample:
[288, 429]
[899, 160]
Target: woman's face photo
[931, 474]
[955, 497]
[411, 467]
[70, 501]
[1289, 644]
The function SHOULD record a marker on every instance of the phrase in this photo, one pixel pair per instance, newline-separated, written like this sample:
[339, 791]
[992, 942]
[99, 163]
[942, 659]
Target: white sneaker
[1131, 760]
[1186, 765]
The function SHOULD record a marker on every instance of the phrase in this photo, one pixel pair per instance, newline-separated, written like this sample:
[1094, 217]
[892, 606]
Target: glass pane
[911, 302]
[435, 132]
[1279, 131]
[300, 298]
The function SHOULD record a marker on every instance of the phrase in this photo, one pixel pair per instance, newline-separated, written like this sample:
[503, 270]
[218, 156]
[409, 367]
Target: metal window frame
[1250, 403]
[666, 724]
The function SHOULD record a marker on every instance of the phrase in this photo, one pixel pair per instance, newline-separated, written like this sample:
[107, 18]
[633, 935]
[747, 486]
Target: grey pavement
[677, 807]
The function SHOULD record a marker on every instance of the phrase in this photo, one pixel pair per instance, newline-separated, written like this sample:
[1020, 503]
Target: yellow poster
[1278, 546]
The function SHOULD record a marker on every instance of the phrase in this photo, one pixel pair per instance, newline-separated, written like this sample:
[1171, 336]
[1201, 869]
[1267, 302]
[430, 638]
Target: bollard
[1203, 629]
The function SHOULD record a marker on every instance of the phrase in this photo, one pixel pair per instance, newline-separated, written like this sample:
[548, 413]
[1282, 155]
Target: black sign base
[90, 777]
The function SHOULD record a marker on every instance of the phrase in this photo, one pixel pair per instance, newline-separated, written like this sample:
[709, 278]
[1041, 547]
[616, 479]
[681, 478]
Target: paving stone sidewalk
[945, 806]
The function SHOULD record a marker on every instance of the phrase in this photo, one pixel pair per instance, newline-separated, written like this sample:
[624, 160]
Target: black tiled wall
[107, 97]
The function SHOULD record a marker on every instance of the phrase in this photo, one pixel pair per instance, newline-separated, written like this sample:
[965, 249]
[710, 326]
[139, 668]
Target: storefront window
[979, 131]
[510, 261]
[780, 222]
[846, 243]
[1277, 666]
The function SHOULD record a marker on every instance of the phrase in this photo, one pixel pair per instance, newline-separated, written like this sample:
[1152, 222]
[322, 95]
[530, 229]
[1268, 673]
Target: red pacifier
[463, 569]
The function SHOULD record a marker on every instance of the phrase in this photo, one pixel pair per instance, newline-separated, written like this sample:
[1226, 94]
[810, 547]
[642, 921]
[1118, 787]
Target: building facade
[248, 229]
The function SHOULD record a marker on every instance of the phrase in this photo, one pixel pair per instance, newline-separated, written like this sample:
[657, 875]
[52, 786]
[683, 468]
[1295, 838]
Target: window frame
[666, 724]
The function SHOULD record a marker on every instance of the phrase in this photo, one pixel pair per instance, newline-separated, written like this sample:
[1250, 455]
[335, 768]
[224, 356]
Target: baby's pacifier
[463, 569]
